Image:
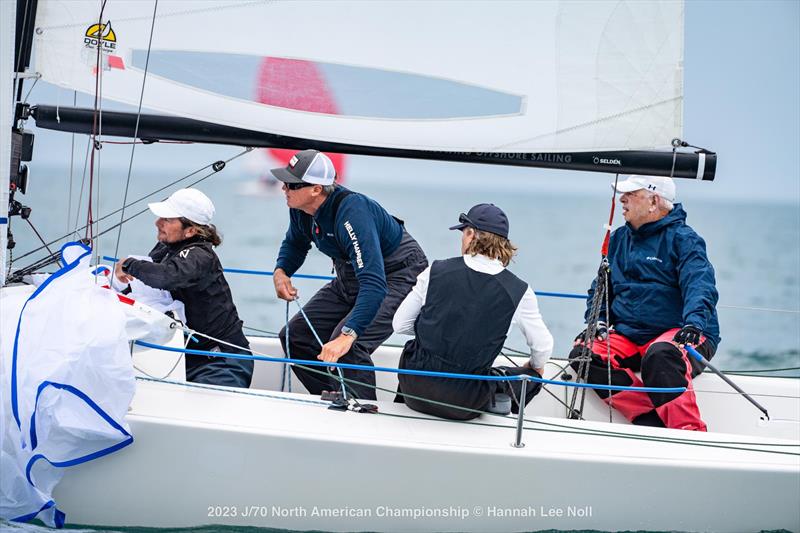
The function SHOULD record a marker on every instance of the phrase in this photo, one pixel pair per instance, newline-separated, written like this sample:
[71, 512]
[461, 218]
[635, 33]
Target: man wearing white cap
[376, 263]
[662, 295]
[185, 264]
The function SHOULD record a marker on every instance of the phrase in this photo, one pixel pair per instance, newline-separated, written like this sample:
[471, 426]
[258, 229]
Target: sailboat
[591, 86]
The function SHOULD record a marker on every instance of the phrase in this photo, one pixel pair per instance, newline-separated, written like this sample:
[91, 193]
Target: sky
[742, 93]
[741, 100]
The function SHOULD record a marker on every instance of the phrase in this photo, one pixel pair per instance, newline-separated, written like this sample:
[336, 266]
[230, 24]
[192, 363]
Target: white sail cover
[593, 75]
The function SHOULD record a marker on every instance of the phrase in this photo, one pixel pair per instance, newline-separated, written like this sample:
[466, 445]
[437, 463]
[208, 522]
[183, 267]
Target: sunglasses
[297, 186]
[464, 219]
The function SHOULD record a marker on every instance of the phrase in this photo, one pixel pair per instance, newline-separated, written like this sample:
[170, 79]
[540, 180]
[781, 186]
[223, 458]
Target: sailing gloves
[600, 332]
[688, 334]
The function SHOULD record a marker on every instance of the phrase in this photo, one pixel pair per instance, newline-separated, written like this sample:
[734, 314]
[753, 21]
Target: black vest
[465, 320]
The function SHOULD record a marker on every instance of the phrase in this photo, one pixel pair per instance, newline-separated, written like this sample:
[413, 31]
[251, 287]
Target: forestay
[580, 76]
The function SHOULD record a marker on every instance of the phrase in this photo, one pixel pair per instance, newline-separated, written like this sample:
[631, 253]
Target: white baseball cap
[660, 185]
[186, 203]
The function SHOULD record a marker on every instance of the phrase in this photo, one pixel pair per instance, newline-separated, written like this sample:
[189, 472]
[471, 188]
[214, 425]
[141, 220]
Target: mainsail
[582, 77]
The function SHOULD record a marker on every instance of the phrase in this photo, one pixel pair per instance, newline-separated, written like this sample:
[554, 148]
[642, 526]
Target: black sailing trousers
[329, 309]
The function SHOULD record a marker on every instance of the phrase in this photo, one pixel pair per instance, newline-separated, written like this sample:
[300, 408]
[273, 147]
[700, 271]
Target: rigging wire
[606, 243]
[71, 164]
[600, 292]
[736, 445]
[574, 430]
[569, 429]
[39, 235]
[18, 81]
[217, 166]
[148, 142]
[544, 386]
[136, 128]
[27, 95]
[96, 128]
[274, 335]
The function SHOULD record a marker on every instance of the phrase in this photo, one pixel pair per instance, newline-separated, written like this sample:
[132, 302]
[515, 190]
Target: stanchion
[521, 412]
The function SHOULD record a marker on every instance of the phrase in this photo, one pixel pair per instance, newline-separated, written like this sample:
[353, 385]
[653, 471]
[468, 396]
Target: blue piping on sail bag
[67, 382]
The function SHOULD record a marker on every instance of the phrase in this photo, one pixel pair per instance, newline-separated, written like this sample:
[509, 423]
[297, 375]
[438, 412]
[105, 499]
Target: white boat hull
[205, 455]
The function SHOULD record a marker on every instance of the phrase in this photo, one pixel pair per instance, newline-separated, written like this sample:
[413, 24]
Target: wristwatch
[350, 332]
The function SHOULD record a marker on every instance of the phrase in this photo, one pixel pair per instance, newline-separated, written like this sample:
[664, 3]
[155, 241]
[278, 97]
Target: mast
[153, 128]
[7, 32]
[16, 145]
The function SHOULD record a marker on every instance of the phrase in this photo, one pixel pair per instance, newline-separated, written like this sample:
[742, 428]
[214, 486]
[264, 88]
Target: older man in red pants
[662, 295]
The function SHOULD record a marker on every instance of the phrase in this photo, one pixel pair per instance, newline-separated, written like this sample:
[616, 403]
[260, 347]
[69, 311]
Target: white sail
[597, 75]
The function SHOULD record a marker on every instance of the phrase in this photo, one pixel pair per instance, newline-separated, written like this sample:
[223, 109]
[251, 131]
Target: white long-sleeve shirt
[526, 317]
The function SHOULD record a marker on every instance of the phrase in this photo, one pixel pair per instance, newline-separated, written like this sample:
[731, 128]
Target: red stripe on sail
[299, 85]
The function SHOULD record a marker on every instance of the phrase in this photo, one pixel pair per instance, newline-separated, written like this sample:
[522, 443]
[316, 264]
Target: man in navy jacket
[662, 295]
[376, 263]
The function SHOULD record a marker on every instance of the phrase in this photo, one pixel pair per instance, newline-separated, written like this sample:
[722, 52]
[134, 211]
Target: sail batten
[579, 76]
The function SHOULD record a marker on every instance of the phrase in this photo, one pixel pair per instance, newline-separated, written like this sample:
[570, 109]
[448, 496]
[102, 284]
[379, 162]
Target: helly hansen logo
[356, 247]
[184, 253]
[651, 187]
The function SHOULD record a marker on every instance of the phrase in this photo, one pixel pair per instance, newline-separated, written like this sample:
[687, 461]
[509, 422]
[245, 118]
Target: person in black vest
[184, 263]
[461, 310]
[376, 263]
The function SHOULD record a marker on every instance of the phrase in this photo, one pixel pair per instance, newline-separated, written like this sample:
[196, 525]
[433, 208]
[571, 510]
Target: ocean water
[556, 221]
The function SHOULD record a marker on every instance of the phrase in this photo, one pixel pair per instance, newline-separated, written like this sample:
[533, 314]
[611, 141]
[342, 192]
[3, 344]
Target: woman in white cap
[185, 264]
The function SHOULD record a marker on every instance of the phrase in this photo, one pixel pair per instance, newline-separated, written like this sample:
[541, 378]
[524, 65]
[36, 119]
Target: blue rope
[561, 295]
[304, 362]
[321, 344]
[329, 278]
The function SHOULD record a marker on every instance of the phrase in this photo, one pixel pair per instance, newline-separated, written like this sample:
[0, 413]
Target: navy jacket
[363, 233]
[660, 279]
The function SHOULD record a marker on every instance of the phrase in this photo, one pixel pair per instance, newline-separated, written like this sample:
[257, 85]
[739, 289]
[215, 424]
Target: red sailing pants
[662, 364]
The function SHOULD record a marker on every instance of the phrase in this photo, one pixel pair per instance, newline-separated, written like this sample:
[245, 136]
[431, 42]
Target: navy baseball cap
[484, 217]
